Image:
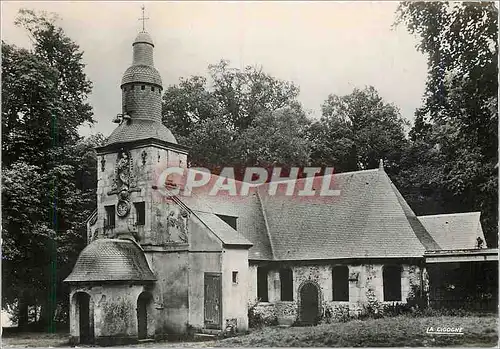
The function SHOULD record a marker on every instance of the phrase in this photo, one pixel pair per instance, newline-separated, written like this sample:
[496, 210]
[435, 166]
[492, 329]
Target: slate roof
[139, 129]
[250, 222]
[454, 231]
[365, 220]
[111, 260]
[222, 230]
[141, 73]
[143, 37]
[369, 219]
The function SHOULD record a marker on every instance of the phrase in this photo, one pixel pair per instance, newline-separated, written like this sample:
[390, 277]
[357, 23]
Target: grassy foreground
[400, 331]
[397, 331]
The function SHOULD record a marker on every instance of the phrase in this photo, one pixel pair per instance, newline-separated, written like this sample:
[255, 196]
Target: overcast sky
[324, 47]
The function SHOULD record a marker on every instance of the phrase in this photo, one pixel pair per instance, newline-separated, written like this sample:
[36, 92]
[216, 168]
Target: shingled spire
[141, 98]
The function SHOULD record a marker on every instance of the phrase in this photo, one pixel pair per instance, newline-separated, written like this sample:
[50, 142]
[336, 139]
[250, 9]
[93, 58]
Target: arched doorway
[85, 320]
[309, 303]
[144, 316]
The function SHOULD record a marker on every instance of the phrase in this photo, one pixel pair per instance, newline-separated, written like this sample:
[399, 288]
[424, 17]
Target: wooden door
[213, 298]
[309, 304]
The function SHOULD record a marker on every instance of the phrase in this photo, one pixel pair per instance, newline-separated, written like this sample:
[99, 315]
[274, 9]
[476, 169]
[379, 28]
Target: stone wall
[365, 285]
[146, 164]
[113, 315]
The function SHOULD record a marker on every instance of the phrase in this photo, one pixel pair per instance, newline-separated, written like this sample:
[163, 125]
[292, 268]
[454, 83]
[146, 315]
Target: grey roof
[365, 220]
[111, 260]
[369, 218]
[454, 231]
[250, 222]
[222, 230]
[139, 129]
[143, 37]
[141, 73]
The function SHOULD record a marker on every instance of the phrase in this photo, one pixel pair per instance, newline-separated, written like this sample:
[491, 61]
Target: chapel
[159, 264]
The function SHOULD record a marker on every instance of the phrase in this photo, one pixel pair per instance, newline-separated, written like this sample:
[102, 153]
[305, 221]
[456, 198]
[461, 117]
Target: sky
[323, 47]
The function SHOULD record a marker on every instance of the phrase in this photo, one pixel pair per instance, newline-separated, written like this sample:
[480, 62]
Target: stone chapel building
[157, 265]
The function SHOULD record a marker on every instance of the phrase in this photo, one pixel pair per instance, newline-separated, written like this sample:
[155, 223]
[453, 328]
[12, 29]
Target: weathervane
[143, 19]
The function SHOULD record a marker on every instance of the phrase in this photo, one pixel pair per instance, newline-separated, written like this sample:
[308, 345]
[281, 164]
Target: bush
[257, 319]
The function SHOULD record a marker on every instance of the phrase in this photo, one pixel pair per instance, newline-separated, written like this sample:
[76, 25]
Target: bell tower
[135, 154]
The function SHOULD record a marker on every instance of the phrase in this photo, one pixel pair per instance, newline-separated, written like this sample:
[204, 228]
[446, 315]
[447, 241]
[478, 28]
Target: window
[262, 284]
[235, 277]
[340, 283]
[152, 88]
[132, 88]
[110, 216]
[143, 87]
[140, 213]
[229, 220]
[391, 275]
[286, 280]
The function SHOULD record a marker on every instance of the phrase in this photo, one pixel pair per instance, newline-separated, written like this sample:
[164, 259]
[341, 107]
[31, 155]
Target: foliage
[258, 316]
[48, 172]
[242, 118]
[340, 313]
[356, 131]
[373, 307]
[459, 117]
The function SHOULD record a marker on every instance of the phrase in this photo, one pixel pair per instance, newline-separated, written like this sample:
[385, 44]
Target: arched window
[392, 282]
[340, 283]
[286, 281]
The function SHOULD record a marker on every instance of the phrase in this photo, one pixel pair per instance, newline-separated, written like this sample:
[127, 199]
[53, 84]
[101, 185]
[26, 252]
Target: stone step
[205, 336]
[210, 331]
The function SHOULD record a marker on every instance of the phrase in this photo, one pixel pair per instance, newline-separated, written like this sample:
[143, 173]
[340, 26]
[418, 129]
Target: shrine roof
[111, 260]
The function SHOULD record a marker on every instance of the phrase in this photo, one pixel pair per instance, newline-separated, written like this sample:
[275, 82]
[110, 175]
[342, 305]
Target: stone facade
[365, 285]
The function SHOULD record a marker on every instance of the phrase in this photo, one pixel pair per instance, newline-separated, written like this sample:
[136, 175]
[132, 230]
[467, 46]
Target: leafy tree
[223, 120]
[460, 112]
[47, 190]
[356, 131]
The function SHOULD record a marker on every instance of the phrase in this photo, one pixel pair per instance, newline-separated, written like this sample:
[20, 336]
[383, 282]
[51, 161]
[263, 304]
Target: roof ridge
[412, 219]
[266, 224]
[451, 214]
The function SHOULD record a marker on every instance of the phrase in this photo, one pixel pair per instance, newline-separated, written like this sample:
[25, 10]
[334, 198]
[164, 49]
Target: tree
[223, 118]
[44, 92]
[460, 111]
[356, 131]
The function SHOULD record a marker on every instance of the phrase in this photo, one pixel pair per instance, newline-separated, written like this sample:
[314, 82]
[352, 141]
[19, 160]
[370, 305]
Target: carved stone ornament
[177, 222]
[122, 208]
[124, 182]
[144, 155]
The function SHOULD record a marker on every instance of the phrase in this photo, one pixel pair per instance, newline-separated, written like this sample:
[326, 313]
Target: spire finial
[381, 165]
[143, 19]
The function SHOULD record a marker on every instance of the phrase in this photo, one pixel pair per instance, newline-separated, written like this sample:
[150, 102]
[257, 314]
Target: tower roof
[143, 37]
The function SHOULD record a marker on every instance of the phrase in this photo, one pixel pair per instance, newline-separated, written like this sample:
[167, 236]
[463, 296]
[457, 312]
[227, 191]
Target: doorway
[309, 304]
[85, 329]
[144, 302]
[213, 297]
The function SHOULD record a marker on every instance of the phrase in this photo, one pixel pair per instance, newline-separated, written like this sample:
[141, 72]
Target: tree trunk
[22, 312]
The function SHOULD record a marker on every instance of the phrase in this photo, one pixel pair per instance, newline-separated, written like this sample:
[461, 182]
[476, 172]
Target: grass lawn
[397, 331]
[400, 331]
[34, 339]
